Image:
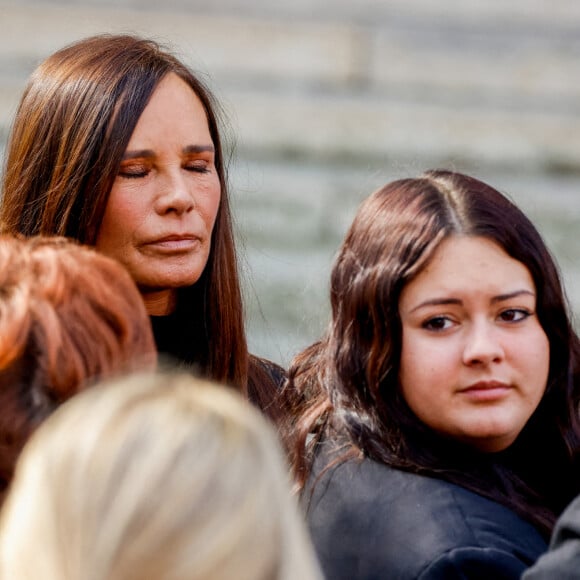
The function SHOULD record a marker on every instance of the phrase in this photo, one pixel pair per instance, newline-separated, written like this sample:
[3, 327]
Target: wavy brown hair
[68, 317]
[70, 132]
[346, 385]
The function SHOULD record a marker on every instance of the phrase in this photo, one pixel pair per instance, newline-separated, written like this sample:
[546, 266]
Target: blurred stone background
[328, 99]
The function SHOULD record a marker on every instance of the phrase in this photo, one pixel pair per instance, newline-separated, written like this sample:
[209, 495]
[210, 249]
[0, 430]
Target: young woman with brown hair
[435, 431]
[116, 143]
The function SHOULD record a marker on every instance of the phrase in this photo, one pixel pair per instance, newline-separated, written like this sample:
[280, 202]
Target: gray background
[329, 99]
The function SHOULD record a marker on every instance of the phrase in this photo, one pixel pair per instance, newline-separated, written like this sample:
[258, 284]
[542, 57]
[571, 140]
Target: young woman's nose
[174, 196]
[482, 344]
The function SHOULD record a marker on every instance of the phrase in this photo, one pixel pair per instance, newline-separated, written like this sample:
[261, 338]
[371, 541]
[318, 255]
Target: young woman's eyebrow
[458, 302]
[510, 295]
[437, 302]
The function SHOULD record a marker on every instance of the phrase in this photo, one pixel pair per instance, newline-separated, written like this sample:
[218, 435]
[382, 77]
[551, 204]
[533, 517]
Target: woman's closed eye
[134, 171]
[197, 166]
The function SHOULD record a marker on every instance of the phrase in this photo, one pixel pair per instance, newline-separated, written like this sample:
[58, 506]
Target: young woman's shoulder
[368, 520]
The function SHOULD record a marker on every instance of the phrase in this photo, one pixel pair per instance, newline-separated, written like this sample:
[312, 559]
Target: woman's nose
[175, 196]
[482, 344]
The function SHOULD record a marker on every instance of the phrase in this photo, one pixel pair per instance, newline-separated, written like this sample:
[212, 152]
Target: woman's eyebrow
[138, 153]
[199, 148]
[459, 302]
[437, 302]
[510, 295]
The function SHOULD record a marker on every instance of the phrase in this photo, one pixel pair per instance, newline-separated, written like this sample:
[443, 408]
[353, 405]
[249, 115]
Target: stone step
[514, 13]
[466, 56]
[363, 129]
[370, 128]
[473, 87]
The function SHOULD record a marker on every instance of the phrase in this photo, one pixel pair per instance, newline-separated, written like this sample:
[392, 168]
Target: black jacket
[370, 521]
[562, 561]
[179, 344]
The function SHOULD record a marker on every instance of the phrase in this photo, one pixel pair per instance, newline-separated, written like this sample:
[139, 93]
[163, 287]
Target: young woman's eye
[437, 323]
[514, 315]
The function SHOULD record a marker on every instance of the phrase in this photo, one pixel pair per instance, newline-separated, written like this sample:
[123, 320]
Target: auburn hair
[69, 316]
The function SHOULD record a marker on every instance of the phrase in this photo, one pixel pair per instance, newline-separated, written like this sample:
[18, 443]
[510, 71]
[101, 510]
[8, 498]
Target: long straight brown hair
[69, 135]
[347, 383]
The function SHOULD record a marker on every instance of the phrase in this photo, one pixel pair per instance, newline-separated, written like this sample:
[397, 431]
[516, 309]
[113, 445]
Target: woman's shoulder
[273, 371]
[265, 382]
[364, 515]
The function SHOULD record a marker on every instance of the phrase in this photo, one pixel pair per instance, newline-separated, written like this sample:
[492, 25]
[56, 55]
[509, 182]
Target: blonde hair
[160, 476]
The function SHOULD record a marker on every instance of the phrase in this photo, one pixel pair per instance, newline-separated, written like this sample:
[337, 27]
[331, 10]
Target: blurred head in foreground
[159, 476]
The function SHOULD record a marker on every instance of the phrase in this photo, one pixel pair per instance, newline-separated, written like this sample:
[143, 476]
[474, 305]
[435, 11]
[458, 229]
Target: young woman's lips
[484, 391]
[174, 244]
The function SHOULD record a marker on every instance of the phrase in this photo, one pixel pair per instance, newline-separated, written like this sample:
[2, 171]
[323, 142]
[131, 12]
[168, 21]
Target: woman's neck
[160, 303]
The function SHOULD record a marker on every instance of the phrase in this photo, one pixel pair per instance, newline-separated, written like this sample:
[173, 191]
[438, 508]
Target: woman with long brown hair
[435, 431]
[116, 143]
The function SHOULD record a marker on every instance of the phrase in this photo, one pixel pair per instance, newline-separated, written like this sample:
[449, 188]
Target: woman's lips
[486, 390]
[174, 244]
